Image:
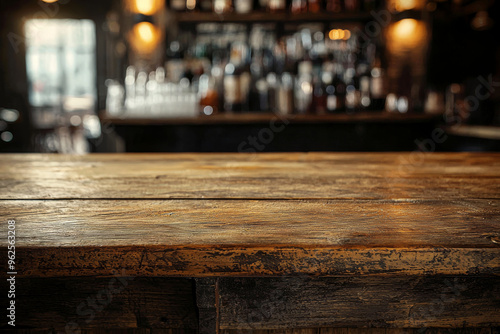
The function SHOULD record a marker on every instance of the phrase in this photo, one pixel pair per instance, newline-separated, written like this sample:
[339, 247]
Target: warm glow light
[147, 7]
[145, 37]
[336, 34]
[406, 5]
[49, 1]
[405, 28]
[402, 5]
[146, 32]
[406, 34]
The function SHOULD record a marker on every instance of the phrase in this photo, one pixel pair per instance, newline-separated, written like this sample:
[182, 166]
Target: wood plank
[254, 261]
[239, 237]
[389, 302]
[70, 304]
[241, 223]
[251, 176]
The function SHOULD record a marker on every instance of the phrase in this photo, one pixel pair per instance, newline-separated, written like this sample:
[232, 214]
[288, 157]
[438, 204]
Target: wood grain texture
[389, 302]
[252, 176]
[213, 223]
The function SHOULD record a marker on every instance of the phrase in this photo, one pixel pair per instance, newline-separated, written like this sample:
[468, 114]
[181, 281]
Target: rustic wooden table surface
[266, 241]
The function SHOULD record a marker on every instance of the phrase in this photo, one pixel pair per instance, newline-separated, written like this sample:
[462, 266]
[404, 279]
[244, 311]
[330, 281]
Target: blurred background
[249, 75]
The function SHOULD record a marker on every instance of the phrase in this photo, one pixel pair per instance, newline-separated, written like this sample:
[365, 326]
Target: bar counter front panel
[261, 243]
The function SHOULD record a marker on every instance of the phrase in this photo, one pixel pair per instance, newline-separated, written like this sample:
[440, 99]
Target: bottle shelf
[201, 17]
[258, 117]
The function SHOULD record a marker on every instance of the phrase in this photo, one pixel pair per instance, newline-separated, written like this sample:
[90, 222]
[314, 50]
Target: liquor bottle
[237, 79]
[285, 94]
[140, 89]
[192, 5]
[276, 6]
[178, 5]
[319, 98]
[331, 98]
[377, 86]
[262, 5]
[232, 89]
[206, 5]
[340, 90]
[243, 6]
[258, 97]
[209, 99]
[314, 6]
[304, 87]
[130, 102]
[217, 74]
[364, 86]
[333, 6]
[352, 5]
[223, 6]
[272, 84]
[352, 94]
[298, 6]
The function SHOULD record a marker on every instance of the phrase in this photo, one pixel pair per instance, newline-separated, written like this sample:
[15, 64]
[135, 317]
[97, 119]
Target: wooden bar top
[196, 215]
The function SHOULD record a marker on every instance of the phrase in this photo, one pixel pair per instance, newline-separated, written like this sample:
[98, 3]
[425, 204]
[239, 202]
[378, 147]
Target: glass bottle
[223, 6]
[276, 6]
[333, 6]
[243, 6]
[314, 6]
[304, 87]
[298, 6]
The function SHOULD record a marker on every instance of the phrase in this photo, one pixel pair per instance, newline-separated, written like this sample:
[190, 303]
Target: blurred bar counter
[227, 132]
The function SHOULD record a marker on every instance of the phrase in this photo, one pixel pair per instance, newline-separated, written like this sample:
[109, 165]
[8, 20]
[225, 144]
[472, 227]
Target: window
[60, 63]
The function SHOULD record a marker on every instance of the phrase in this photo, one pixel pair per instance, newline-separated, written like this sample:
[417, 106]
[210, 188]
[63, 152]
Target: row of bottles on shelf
[307, 71]
[151, 95]
[273, 6]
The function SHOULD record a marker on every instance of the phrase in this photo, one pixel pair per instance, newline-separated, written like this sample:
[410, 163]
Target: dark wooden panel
[207, 300]
[392, 302]
[69, 304]
[103, 331]
[340, 330]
